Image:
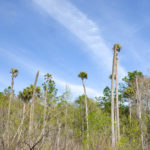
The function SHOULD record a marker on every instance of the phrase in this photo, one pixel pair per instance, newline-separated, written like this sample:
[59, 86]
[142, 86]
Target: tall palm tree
[115, 111]
[116, 48]
[112, 98]
[14, 74]
[84, 75]
[117, 103]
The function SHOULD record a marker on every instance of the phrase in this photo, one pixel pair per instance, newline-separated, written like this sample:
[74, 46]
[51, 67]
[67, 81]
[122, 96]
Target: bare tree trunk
[19, 131]
[117, 102]
[45, 109]
[130, 110]
[86, 109]
[23, 117]
[32, 108]
[115, 122]
[86, 114]
[112, 100]
[58, 136]
[9, 107]
[66, 112]
[138, 97]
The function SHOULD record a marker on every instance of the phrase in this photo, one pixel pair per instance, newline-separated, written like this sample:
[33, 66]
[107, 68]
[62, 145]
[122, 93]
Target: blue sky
[64, 37]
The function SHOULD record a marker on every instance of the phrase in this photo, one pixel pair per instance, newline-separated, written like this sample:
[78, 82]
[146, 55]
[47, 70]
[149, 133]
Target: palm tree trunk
[86, 109]
[32, 107]
[9, 107]
[115, 122]
[112, 100]
[117, 102]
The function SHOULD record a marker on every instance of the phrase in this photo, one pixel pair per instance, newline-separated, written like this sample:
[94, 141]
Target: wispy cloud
[81, 26]
[78, 89]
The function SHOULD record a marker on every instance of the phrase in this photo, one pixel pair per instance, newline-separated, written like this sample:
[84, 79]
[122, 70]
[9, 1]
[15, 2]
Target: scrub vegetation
[38, 119]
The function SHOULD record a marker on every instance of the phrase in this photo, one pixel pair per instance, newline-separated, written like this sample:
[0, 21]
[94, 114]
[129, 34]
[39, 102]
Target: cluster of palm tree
[82, 75]
[114, 103]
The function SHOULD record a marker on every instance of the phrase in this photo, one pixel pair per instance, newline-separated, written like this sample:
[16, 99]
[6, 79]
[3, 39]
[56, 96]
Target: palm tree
[114, 76]
[117, 104]
[112, 98]
[14, 74]
[84, 75]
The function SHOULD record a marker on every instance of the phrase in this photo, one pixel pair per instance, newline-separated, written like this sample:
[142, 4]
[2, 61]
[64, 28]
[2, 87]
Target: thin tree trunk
[19, 131]
[66, 112]
[82, 122]
[117, 102]
[86, 109]
[58, 136]
[32, 108]
[9, 108]
[112, 100]
[86, 114]
[130, 110]
[138, 97]
[45, 109]
[115, 122]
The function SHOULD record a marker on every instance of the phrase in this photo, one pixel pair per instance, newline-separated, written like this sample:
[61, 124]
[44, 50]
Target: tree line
[37, 118]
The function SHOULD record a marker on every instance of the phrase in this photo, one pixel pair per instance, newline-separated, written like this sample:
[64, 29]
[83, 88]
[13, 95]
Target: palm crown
[14, 72]
[47, 76]
[83, 75]
[118, 47]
